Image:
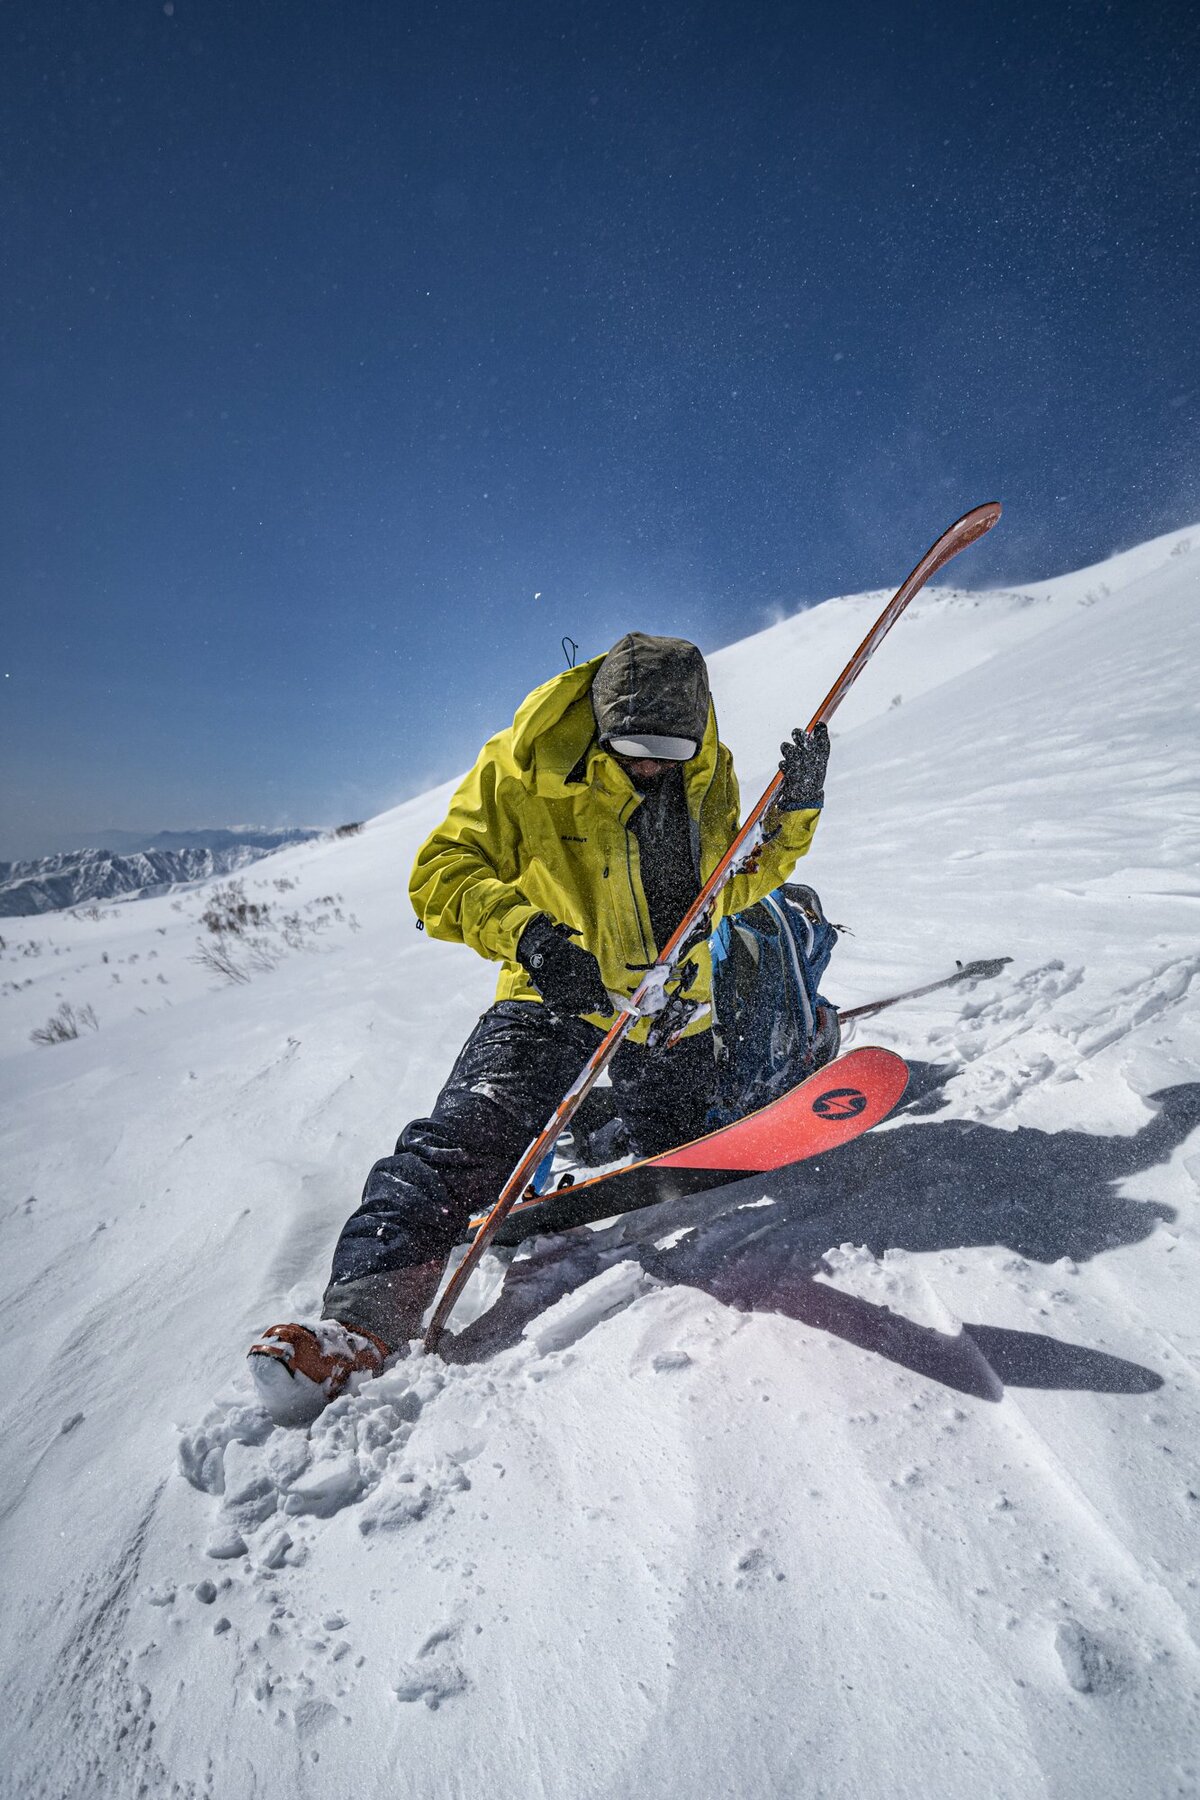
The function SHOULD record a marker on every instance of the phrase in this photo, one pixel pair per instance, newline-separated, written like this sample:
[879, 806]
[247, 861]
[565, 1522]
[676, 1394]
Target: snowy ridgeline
[82, 877]
[879, 1477]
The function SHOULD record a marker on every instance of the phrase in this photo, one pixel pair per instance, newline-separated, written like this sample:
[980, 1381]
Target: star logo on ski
[840, 1103]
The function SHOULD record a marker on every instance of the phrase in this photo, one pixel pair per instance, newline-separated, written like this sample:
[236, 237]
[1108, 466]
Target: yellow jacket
[541, 825]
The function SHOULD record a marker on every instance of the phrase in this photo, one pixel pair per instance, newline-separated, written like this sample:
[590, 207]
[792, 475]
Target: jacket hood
[556, 726]
[651, 687]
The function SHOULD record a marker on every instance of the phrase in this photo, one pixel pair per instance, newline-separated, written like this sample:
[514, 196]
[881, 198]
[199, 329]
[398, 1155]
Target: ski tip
[973, 524]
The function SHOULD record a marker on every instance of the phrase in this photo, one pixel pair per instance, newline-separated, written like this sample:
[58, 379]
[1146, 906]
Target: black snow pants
[510, 1074]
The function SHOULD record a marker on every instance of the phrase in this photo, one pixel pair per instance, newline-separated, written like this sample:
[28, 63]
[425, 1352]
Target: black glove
[565, 975]
[803, 765]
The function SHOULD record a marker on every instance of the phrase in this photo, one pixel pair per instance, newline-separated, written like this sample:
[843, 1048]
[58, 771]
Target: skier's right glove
[566, 976]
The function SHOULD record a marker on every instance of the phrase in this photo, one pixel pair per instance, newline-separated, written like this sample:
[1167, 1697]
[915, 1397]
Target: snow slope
[879, 1478]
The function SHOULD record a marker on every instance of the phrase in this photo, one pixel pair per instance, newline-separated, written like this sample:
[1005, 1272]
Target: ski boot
[299, 1369]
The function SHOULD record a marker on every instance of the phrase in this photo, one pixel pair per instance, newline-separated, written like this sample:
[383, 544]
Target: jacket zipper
[633, 894]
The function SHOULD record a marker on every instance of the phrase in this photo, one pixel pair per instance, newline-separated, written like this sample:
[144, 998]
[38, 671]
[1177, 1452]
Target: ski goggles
[657, 749]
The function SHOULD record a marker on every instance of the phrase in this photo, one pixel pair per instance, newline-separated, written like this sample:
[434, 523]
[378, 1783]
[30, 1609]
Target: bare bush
[260, 955]
[344, 831]
[251, 939]
[229, 912]
[219, 959]
[65, 1024]
[234, 960]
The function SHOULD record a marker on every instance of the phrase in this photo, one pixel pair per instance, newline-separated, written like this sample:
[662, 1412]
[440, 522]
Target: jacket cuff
[499, 931]
[796, 829]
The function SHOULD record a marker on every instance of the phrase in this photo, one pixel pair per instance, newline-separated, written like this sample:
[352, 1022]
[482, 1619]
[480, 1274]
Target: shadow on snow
[937, 1185]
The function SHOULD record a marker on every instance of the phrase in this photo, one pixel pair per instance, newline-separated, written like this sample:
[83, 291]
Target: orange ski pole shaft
[964, 531]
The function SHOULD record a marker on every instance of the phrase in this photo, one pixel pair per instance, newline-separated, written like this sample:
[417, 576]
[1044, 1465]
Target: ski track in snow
[877, 1477]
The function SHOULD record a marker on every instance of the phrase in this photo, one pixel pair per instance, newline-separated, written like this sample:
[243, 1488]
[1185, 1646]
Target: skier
[569, 854]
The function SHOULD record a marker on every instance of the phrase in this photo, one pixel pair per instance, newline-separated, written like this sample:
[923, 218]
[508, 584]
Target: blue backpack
[772, 1027]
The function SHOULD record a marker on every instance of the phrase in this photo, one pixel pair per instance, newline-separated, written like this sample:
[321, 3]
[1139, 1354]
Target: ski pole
[975, 971]
[749, 839]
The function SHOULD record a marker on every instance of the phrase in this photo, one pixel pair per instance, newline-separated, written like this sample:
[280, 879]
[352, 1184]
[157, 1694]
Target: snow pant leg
[510, 1074]
[664, 1095]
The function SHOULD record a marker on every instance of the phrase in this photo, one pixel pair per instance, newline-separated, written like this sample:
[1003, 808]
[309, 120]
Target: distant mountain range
[129, 843]
[133, 864]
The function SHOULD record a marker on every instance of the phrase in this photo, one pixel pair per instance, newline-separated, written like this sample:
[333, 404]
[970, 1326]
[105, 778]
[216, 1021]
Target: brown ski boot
[299, 1369]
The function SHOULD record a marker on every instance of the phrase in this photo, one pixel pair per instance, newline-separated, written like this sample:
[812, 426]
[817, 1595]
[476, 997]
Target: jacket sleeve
[777, 858]
[464, 882]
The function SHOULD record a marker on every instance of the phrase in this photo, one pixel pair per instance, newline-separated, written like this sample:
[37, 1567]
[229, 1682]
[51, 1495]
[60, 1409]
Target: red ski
[838, 1103]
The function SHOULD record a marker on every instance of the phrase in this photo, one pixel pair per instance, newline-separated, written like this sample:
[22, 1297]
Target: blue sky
[353, 354]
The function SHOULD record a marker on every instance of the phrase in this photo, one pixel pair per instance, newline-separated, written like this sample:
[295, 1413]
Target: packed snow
[877, 1478]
